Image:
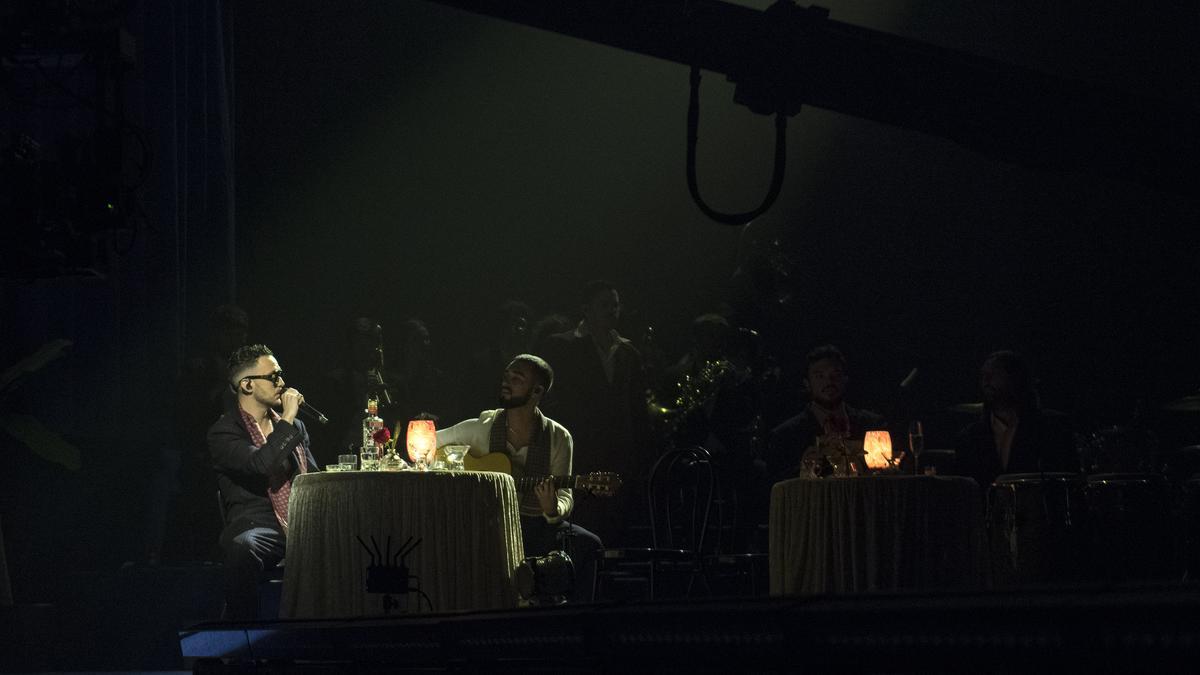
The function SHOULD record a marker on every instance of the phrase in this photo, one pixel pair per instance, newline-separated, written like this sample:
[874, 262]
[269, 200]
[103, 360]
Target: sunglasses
[274, 377]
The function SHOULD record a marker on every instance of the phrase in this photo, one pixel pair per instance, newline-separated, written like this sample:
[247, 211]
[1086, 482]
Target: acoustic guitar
[597, 483]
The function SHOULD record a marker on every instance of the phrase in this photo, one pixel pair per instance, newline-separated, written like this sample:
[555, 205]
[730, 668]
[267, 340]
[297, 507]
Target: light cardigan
[476, 433]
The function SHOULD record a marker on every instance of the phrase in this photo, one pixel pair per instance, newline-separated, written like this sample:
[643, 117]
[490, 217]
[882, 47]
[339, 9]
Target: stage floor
[1086, 629]
[161, 619]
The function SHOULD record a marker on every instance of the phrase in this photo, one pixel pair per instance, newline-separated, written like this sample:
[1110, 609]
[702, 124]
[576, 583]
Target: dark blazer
[607, 420]
[242, 469]
[790, 439]
[1041, 443]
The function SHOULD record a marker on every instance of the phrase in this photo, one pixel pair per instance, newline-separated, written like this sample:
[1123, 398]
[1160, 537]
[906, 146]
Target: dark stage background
[401, 159]
[405, 159]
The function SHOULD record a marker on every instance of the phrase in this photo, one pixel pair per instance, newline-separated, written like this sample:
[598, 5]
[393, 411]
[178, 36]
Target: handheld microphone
[313, 413]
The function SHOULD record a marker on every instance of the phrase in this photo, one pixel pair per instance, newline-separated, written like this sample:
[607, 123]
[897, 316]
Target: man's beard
[830, 404]
[513, 401]
[829, 400]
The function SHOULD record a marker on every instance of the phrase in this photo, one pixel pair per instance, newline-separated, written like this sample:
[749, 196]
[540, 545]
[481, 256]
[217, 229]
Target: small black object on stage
[547, 579]
[388, 574]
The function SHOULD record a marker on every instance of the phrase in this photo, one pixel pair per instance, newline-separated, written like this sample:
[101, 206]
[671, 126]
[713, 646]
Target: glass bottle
[371, 450]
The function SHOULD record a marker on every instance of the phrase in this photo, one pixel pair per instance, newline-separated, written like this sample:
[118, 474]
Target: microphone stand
[903, 410]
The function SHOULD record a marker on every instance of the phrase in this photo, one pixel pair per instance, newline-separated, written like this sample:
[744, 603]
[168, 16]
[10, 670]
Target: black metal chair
[680, 495]
[270, 584]
[732, 565]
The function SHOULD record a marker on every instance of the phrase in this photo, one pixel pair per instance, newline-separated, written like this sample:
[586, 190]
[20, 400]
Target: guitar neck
[560, 482]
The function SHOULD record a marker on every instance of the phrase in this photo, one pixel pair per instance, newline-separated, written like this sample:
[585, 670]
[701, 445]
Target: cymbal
[967, 408]
[1185, 404]
[977, 408]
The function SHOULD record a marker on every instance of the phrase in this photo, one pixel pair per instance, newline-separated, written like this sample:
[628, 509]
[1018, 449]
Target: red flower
[381, 436]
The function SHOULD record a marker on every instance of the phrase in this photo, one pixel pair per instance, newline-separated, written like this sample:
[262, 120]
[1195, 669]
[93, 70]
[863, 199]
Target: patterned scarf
[537, 461]
[279, 487]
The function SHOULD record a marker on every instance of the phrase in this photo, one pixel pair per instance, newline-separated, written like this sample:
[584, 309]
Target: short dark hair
[245, 357]
[541, 370]
[1018, 371]
[592, 288]
[824, 352]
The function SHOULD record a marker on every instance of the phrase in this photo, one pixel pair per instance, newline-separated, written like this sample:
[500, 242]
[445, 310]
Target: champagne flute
[916, 443]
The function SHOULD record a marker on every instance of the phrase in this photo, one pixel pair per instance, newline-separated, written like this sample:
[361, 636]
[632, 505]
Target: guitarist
[536, 446]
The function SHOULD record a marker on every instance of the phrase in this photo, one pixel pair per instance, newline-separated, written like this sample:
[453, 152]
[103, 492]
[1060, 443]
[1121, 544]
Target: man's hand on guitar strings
[547, 497]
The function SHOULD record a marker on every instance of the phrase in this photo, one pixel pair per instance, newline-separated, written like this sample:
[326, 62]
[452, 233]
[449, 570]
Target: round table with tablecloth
[348, 528]
[871, 533]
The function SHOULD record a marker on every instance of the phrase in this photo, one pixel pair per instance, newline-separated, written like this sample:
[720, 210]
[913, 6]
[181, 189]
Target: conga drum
[1189, 494]
[1037, 528]
[1135, 530]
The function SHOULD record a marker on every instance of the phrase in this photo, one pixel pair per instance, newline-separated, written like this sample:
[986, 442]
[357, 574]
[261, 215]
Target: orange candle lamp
[877, 446]
[421, 441]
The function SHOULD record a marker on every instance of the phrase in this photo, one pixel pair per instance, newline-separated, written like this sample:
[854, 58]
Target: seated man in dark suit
[826, 417]
[1014, 434]
[256, 452]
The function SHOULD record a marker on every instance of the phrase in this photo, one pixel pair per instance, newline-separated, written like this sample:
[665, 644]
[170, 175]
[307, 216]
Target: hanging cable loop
[693, 124]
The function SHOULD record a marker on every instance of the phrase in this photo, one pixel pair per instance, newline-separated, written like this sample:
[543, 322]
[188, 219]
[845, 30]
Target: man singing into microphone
[256, 452]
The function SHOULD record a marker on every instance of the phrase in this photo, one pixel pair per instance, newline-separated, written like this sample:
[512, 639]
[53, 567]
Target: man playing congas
[1014, 434]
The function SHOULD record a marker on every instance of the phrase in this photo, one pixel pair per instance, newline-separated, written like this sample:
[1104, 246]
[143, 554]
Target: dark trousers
[250, 546]
[581, 545]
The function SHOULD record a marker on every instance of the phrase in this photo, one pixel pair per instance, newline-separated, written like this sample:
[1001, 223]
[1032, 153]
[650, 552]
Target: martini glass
[454, 456]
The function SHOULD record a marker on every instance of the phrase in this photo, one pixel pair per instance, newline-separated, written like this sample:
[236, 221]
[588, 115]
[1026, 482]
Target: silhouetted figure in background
[826, 415]
[601, 397]
[256, 452]
[654, 358]
[1014, 434]
[763, 289]
[547, 327]
[417, 384]
[722, 399]
[359, 376]
[709, 342]
[505, 334]
[194, 520]
[694, 381]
